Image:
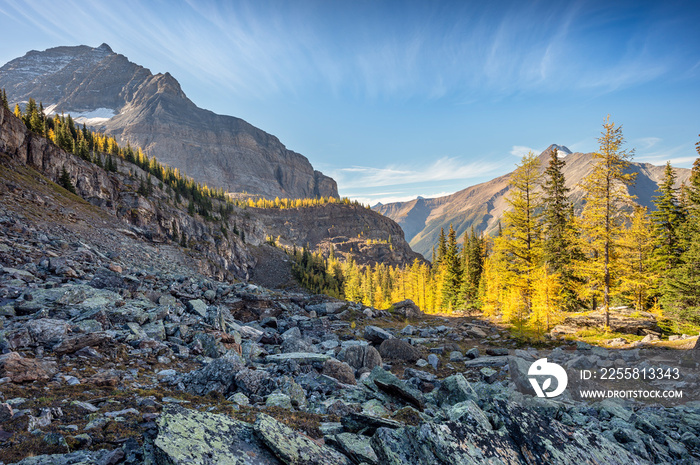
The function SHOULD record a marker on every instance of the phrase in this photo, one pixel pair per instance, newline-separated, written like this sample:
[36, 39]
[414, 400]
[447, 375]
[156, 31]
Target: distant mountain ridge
[481, 206]
[106, 90]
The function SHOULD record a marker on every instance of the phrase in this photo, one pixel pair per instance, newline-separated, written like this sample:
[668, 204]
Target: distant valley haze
[396, 100]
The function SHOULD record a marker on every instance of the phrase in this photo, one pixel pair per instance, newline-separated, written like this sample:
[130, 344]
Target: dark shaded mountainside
[107, 91]
[482, 206]
[158, 219]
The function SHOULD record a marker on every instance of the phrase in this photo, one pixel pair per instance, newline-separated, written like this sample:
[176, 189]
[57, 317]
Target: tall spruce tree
[604, 213]
[5, 103]
[473, 255]
[668, 219]
[451, 272]
[441, 249]
[559, 245]
[681, 294]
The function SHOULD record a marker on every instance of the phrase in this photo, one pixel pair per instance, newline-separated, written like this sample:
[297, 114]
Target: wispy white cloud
[681, 156]
[425, 50]
[521, 150]
[646, 143]
[443, 169]
[386, 198]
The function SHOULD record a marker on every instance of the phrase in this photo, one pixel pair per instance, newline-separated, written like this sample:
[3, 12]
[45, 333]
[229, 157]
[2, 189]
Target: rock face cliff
[351, 230]
[153, 219]
[105, 90]
[482, 206]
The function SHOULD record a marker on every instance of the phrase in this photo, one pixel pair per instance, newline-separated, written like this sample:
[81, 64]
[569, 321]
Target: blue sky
[399, 99]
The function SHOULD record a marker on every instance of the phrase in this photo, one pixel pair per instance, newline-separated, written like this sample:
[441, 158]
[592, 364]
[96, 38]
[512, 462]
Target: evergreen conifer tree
[5, 103]
[65, 181]
[681, 294]
[668, 218]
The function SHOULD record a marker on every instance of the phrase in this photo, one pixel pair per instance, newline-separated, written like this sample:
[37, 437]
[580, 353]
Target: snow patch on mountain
[89, 118]
[562, 150]
[94, 117]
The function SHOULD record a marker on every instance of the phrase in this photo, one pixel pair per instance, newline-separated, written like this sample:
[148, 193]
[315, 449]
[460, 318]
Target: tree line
[548, 257]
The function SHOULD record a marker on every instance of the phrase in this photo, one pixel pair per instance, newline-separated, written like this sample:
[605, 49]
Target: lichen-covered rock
[468, 411]
[526, 438]
[355, 446]
[392, 385]
[293, 448]
[198, 307]
[82, 457]
[454, 389]
[189, 437]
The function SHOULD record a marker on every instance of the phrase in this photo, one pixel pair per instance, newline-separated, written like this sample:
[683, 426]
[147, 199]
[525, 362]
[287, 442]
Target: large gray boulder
[376, 335]
[407, 309]
[293, 448]
[398, 349]
[190, 437]
[218, 376]
[361, 357]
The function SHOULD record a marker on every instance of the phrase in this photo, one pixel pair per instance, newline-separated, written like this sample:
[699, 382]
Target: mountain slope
[355, 231]
[105, 89]
[482, 205]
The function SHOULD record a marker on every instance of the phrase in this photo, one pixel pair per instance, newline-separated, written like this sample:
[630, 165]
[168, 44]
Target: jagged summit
[105, 89]
[105, 47]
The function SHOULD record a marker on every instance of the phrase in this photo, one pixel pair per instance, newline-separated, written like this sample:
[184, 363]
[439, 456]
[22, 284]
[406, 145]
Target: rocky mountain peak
[105, 47]
[562, 151]
[153, 112]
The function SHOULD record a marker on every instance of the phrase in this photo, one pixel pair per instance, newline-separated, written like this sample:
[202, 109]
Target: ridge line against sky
[399, 99]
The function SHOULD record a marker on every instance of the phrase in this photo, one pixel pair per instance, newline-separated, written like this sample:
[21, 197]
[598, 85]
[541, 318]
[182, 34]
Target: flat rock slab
[376, 334]
[190, 437]
[392, 385]
[356, 446]
[74, 458]
[492, 361]
[293, 448]
[299, 357]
